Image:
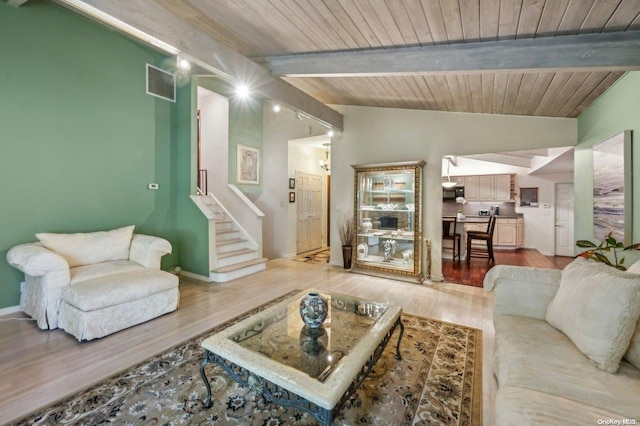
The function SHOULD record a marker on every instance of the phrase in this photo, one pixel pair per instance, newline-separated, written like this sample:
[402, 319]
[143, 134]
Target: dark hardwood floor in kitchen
[472, 274]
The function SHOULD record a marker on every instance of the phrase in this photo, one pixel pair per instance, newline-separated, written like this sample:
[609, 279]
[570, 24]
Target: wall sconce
[324, 164]
[448, 184]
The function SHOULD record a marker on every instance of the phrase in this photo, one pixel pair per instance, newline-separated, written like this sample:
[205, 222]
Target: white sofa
[567, 344]
[94, 284]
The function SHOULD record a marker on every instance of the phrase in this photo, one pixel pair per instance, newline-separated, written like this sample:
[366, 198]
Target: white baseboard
[10, 310]
[195, 276]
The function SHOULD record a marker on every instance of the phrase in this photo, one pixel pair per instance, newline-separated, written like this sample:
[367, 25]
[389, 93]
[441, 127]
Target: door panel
[309, 212]
[564, 245]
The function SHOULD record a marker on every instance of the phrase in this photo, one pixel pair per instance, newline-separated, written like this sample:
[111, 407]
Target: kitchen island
[508, 233]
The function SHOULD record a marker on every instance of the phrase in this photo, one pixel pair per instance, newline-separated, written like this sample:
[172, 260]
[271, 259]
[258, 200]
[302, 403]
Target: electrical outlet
[153, 186]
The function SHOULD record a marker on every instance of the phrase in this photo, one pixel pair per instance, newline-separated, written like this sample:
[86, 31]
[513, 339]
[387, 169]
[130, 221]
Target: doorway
[309, 166]
[308, 212]
[564, 245]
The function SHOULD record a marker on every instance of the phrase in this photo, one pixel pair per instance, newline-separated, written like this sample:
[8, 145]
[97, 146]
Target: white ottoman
[101, 306]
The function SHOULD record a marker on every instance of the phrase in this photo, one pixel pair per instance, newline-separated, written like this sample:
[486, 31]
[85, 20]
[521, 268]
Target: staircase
[232, 252]
[235, 257]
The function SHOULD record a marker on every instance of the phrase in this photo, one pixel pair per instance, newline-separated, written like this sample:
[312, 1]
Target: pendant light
[448, 184]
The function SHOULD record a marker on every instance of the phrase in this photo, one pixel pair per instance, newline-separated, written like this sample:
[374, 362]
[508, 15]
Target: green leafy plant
[608, 245]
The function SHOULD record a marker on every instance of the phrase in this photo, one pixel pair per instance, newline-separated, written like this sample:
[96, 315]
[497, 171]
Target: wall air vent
[161, 83]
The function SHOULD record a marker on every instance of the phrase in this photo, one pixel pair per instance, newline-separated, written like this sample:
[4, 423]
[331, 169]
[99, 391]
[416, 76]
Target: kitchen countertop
[484, 219]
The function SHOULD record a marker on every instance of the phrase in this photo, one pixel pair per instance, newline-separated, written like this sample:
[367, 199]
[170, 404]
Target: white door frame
[564, 219]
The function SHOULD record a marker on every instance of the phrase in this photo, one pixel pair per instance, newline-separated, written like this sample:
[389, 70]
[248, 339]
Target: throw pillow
[635, 268]
[89, 248]
[633, 353]
[597, 307]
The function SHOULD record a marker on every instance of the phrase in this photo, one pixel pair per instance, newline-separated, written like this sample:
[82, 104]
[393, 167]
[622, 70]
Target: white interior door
[564, 220]
[308, 211]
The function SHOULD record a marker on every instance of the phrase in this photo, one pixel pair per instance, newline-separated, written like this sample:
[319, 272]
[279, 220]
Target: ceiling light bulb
[330, 133]
[184, 64]
[243, 91]
[276, 108]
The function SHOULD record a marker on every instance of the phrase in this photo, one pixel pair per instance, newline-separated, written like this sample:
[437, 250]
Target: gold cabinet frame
[387, 220]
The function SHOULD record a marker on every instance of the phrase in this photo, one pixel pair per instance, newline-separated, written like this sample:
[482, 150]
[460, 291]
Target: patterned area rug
[319, 256]
[438, 381]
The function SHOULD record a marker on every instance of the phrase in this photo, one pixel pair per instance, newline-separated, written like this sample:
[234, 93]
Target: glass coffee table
[315, 370]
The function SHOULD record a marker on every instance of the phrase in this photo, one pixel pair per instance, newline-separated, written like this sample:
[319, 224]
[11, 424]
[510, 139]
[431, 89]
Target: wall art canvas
[248, 167]
[612, 188]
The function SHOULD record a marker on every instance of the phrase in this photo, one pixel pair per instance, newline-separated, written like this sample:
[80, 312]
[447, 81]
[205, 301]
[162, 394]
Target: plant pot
[347, 252]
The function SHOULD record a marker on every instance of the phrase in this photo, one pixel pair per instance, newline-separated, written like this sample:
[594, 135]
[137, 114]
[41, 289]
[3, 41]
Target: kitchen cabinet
[520, 232]
[502, 187]
[510, 232]
[471, 188]
[388, 208]
[486, 187]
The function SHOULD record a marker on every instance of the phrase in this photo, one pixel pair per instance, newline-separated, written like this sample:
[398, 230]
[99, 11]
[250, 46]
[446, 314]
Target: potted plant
[608, 245]
[346, 231]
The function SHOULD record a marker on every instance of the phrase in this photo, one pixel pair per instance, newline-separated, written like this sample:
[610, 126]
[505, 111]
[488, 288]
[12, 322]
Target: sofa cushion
[532, 354]
[597, 307]
[633, 353]
[97, 270]
[91, 247]
[102, 292]
[522, 406]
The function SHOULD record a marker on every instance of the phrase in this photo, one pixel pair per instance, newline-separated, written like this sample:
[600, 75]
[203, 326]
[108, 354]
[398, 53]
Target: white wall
[378, 135]
[539, 231]
[303, 157]
[279, 129]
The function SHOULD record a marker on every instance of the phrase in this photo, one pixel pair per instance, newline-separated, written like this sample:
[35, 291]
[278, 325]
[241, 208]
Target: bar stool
[449, 233]
[482, 236]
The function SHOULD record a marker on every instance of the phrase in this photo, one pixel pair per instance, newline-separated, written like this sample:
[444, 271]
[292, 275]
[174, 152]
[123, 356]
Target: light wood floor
[39, 367]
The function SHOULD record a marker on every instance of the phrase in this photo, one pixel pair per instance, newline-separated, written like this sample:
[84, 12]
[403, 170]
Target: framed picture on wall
[612, 192]
[248, 165]
[292, 197]
[292, 183]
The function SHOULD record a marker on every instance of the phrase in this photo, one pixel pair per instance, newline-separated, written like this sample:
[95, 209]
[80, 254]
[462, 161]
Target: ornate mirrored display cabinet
[388, 207]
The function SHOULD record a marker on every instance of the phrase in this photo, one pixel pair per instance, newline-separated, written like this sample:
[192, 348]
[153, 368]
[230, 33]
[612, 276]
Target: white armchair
[96, 262]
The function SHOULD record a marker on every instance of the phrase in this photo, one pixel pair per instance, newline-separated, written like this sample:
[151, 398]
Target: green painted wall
[193, 227]
[245, 127]
[616, 110]
[80, 139]
[246, 118]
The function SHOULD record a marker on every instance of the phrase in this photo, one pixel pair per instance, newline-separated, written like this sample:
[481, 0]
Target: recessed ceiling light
[183, 64]
[243, 91]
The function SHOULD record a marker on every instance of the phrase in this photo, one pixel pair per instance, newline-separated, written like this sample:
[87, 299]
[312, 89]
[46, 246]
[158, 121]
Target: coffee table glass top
[318, 366]
[283, 337]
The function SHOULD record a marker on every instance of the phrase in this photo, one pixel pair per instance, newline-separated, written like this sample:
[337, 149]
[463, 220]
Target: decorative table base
[277, 394]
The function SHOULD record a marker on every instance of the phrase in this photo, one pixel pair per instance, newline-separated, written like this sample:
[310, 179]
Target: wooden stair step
[231, 241]
[240, 265]
[235, 252]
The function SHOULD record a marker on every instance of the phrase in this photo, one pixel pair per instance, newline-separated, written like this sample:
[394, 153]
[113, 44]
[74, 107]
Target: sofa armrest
[522, 290]
[148, 251]
[35, 260]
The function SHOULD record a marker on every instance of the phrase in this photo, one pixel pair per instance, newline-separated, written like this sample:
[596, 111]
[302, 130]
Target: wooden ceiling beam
[149, 22]
[615, 51]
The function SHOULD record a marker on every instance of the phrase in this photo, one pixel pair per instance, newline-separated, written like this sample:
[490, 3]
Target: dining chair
[449, 233]
[487, 237]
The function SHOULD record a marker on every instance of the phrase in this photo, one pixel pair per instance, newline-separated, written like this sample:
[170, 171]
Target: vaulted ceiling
[524, 57]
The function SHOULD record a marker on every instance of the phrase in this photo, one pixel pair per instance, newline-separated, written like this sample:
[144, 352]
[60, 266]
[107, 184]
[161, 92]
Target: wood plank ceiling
[268, 28]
